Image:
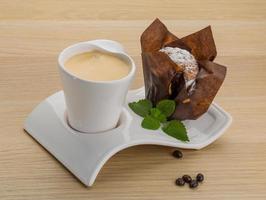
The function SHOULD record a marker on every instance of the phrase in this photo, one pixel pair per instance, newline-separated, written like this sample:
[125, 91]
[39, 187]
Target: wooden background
[32, 33]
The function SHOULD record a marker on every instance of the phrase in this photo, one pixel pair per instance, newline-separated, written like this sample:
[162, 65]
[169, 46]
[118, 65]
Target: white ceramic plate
[85, 154]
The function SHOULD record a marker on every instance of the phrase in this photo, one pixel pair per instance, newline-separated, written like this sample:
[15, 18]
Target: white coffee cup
[94, 106]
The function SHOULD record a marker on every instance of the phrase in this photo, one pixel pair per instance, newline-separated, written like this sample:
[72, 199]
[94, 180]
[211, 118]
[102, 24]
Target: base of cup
[122, 119]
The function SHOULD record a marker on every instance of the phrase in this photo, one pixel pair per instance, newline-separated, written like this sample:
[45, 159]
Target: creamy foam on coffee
[97, 66]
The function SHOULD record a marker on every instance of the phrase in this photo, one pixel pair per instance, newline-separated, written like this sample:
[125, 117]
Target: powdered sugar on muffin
[186, 61]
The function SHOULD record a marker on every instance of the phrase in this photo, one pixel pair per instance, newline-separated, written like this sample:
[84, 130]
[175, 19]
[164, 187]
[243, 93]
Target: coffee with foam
[97, 66]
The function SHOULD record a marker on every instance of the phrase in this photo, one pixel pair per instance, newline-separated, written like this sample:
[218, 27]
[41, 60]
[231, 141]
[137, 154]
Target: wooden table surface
[32, 33]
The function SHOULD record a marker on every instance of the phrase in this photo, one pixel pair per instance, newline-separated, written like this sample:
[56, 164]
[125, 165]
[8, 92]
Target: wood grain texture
[32, 33]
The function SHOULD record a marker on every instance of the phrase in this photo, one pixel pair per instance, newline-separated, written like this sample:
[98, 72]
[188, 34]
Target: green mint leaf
[157, 114]
[150, 123]
[166, 106]
[142, 107]
[176, 129]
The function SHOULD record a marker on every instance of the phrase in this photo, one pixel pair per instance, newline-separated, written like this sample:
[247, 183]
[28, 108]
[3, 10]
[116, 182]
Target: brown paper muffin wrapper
[164, 79]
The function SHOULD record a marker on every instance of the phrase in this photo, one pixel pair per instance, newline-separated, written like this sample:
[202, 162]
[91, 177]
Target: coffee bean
[193, 184]
[187, 178]
[200, 177]
[177, 154]
[180, 182]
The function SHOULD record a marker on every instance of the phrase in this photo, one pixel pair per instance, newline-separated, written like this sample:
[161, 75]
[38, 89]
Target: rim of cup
[63, 54]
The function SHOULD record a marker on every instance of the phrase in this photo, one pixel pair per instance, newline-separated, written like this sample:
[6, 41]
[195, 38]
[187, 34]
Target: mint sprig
[142, 107]
[150, 123]
[166, 106]
[176, 129]
[155, 116]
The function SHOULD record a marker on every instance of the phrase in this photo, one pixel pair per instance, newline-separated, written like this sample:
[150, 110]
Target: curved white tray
[85, 154]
